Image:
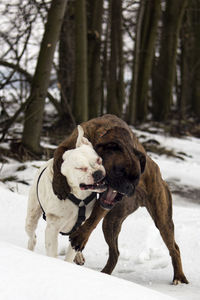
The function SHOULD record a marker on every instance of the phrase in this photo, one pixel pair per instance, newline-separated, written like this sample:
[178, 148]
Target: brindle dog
[133, 177]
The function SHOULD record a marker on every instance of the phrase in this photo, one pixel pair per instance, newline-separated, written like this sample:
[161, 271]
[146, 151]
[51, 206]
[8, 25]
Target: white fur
[61, 215]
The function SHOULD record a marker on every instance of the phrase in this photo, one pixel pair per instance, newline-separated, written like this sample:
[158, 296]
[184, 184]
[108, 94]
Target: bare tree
[190, 62]
[95, 12]
[115, 93]
[165, 68]
[66, 69]
[81, 75]
[146, 29]
[99, 42]
[40, 83]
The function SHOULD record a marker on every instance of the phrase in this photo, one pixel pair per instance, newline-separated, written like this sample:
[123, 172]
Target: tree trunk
[195, 15]
[66, 72]
[146, 31]
[105, 55]
[135, 73]
[95, 10]
[186, 67]
[115, 96]
[34, 111]
[164, 71]
[81, 78]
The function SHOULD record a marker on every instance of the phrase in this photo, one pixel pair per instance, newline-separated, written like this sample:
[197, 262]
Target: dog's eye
[99, 161]
[84, 169]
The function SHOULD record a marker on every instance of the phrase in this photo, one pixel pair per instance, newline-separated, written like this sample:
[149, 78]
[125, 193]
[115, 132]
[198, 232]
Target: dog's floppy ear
[81, 140]
[60, 185]
[142, 159]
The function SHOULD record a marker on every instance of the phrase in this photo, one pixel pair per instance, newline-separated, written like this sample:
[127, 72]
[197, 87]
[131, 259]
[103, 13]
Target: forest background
[63, 62]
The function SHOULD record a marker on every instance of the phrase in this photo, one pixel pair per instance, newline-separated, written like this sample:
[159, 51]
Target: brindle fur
[151, 192]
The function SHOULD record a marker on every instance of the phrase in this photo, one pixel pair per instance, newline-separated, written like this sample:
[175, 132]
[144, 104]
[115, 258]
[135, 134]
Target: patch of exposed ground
[189, 193]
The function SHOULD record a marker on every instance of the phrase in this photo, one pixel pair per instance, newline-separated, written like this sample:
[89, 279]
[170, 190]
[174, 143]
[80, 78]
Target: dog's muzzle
[113, 195]
[99, 182]
[98, 176]
[109, 198]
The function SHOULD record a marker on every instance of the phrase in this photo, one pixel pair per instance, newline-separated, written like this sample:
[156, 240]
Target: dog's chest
[65, 212]
[61, 213]
[68, 213]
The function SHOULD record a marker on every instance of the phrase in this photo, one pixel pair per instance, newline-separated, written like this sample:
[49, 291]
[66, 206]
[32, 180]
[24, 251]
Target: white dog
[84, 173]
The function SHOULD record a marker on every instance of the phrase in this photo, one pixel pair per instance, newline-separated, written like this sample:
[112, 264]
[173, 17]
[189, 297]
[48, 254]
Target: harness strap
[81, 212]
[44, 215]
[77, 201]
[81, 218]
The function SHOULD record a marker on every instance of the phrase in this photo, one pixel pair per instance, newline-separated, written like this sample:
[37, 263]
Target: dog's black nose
[97, 175]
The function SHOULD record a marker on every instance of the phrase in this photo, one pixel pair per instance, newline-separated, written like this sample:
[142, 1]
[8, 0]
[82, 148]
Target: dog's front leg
[80, 237]
[51, 236]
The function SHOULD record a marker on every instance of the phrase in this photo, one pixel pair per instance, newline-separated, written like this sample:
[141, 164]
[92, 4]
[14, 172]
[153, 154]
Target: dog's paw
[78, 240]
[180, 279]
[79, 259]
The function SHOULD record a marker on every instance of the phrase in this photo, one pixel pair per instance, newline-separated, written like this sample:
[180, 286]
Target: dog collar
[80, 203]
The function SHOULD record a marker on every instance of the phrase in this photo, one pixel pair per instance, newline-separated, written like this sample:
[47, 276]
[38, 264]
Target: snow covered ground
[144, 269]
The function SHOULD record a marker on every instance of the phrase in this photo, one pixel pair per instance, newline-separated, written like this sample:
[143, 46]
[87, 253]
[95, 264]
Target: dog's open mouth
[100, 185]
[109, 198]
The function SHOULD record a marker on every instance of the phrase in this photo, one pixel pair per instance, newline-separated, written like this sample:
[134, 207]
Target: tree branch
[29, 78]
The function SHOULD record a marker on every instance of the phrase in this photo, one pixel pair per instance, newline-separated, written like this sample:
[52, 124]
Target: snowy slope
[31, 276]
[144, 259]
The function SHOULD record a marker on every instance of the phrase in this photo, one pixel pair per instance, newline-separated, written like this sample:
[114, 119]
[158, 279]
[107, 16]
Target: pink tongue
[110, 196]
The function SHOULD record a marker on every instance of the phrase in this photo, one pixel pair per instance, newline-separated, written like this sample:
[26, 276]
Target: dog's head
[82, 166]
[123, 163]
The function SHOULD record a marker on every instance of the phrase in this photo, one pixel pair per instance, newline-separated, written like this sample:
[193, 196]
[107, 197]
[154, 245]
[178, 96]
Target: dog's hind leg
[33, 214]
[161, 213]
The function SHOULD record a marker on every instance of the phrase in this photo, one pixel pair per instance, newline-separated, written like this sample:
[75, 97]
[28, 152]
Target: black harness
[81, 212]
